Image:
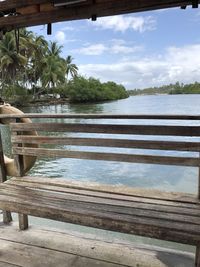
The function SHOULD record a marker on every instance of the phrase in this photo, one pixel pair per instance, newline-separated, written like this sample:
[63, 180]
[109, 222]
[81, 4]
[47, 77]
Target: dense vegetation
[177, 88]
[81, 89]
[32, 68]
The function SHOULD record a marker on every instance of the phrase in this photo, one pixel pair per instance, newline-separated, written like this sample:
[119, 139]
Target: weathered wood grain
[102, 142]
[6, 264]
[147, 159]
[101, 116]
[152, 210]
[33, 256]
[7, 218]
[99, 8]
[109, 128]
[160, 229]
[118, 191]
[165, 216]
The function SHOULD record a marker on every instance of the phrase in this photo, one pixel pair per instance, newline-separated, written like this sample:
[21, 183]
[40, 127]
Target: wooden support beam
[14, 4]
[7, 218]
[99, 8]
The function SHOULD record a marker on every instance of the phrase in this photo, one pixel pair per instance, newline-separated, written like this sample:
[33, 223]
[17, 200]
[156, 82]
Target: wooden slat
[60, 201]
[161, 229]
[99, 8]
[101, 116]
[109, 128]
[114, 192]
[153, 208]
[102, 142]
[104, 211]
[42, 152]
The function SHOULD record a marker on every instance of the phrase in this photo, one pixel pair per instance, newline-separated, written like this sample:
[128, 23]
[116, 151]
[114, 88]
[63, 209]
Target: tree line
[171, 89]
[31, 67]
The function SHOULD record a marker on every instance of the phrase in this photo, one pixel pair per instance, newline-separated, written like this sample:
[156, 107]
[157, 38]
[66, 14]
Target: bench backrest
[127, 134]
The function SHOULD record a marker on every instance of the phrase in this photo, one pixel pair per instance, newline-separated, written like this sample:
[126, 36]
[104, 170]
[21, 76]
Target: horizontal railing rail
[109, 128]
[101, 116]
[107, 142]
[120, 157]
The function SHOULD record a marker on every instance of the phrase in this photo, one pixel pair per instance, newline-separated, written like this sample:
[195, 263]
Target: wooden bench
[156, 214]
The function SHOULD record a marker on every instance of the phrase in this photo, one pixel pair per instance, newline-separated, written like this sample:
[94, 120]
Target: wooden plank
[33, 256]
[125, 192]
[175, 213]
[101, 116]
[99, 8]
[28, 9]
[109, 128]
[147, 159]
[86, 216]
[13, 4]
[114, 191]
[109, 221]
[126, 200]
[48, 200]
[126, 254]
[6, 264]
[102, 142]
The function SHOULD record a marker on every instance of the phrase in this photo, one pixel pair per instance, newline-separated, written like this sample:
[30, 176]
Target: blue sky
[137, 50]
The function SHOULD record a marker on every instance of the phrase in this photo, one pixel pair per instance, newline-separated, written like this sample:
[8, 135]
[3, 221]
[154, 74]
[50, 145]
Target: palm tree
[11, 62]
[53, 72]
[54, 49]
[39, 52]
[71, 69]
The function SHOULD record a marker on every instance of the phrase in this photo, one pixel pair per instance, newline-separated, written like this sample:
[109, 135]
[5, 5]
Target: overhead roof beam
[99, 8]
[13, 4]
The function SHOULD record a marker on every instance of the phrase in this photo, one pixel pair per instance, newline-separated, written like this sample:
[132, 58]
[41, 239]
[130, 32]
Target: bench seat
[150, 213]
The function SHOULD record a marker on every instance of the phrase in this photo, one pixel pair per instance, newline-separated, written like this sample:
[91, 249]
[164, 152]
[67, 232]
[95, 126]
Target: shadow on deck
[42, 247]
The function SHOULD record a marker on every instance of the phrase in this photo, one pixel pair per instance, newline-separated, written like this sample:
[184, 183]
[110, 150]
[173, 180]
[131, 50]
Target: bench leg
[197, 257]
[23, 221]
[7, 217]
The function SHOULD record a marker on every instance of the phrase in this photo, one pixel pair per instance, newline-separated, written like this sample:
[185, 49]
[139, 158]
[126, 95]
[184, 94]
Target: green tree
[11, 62]
[71, 68]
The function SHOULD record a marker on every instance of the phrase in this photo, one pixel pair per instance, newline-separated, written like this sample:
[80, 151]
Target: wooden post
[7, 218]
[197, 254]
[23, 218]
[197, 258]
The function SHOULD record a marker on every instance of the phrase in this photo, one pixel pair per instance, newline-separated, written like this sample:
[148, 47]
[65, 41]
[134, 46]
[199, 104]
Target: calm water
[170, 178]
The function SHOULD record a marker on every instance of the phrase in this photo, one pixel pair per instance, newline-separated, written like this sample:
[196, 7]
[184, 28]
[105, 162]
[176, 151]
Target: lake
[170, 178]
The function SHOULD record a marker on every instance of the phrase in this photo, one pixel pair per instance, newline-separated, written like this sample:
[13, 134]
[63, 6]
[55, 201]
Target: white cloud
[68, 28]
[115, 46]
[91, 50]
[176, 64]
[60, 37]
[123, 49]
[123, 23]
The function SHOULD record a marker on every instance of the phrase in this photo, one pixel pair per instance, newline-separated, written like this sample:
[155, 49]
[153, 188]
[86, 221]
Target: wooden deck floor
[38, 247]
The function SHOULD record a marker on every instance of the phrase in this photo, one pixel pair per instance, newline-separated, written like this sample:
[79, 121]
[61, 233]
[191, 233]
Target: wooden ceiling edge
[83, 12]
[14, 4]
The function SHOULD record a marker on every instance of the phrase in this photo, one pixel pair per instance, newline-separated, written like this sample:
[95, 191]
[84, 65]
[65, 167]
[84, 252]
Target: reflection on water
[170, 178]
